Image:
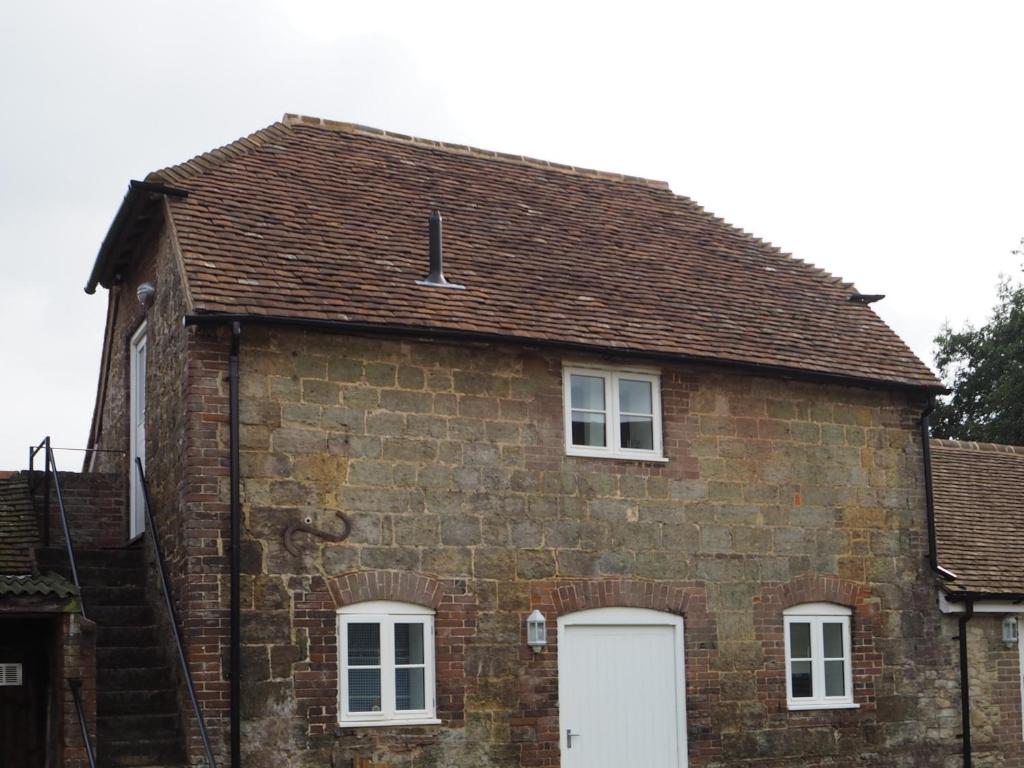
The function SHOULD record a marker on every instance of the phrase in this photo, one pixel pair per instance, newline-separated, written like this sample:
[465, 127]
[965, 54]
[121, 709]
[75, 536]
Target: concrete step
[132, 678]
[120, 615]
[150, 702]
[113, 656]
[142, 636]
[164, 750]
[136, 726]
[123, 594]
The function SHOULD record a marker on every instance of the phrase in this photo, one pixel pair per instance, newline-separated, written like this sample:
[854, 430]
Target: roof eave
[966, 594]
[223, 318]
[129, 224]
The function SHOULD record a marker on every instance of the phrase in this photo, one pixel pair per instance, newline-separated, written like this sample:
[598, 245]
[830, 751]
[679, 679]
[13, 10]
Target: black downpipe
[236, 558]
[929, 496]
[965, 685]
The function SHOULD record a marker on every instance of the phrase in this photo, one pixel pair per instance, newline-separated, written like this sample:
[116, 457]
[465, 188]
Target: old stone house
[590, 478]
[979, 516]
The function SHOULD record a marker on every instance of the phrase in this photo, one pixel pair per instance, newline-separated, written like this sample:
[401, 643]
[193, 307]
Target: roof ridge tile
[308, 121]
[972, 445]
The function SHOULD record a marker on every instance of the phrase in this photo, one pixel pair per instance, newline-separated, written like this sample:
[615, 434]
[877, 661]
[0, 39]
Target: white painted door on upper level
[622, 689]
[137, 430]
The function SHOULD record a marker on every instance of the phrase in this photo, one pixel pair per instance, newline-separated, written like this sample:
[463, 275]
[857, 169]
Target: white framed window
[818, 669]
[386, 664]
[612, 413]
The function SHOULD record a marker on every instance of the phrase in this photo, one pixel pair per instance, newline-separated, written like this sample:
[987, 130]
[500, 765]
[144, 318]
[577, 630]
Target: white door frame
[136, 514]
[597, 617]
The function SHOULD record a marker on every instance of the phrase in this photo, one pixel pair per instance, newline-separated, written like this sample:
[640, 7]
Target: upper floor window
[818, 672]
[386, 664]
[612, 413]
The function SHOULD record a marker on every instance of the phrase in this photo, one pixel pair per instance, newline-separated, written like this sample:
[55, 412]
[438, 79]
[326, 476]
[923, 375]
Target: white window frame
[387, 614]
[611, 377]
[818, 614]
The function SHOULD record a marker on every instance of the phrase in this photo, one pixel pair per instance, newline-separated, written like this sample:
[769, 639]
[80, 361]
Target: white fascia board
[980, 606]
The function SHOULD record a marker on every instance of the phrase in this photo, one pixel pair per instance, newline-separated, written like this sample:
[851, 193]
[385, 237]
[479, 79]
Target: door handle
[568, 737]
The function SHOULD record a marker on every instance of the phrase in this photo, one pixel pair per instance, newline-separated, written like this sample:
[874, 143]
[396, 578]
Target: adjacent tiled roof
[979, 514]
[48, 585]
[319, 220]
[19, 529]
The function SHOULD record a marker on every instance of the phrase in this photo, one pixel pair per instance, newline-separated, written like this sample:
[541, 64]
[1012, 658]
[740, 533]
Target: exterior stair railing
[51, 477]
[173, 614]
[76, 695]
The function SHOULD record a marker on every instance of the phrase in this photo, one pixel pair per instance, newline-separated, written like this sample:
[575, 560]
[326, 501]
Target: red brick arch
[865, 626]
[679, 598]
[401, 586]
[558, 597]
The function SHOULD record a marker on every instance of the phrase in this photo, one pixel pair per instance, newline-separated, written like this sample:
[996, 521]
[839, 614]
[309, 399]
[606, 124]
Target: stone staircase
[137, 723]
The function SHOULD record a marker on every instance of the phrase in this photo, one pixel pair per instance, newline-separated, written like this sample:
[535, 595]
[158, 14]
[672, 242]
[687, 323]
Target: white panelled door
[137, 430]
[622, 689]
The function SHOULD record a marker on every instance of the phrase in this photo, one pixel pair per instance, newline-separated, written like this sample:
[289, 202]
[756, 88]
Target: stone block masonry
[449, 460]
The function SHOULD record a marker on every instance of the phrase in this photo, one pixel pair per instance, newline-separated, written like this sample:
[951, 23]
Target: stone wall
[450, 462]
[996, 729]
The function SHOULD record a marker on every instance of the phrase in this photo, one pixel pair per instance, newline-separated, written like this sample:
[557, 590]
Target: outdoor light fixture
[145, 293]
[536, 631]
[1010, 630]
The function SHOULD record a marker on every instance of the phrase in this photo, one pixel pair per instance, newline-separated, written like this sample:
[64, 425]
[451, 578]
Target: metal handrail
[165, 588]
[46, 487]
[52, 472]
[76, 685]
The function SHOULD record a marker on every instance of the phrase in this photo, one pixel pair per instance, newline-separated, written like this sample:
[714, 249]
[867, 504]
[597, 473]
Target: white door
[622, 689]
[137, 430]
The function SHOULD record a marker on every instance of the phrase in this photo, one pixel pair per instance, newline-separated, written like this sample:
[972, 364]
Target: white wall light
[145, 293]
[536, 631]
[1010, 630]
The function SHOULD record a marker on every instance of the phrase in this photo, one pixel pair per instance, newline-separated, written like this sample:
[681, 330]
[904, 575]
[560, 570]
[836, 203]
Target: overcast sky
[881, 141]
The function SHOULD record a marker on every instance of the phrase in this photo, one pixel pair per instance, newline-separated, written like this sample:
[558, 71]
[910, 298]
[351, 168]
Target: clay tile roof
[19, 531]
[316, 220]
[979, 514]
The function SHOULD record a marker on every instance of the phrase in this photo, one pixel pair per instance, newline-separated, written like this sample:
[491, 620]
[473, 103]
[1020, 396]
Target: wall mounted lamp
[536, 631]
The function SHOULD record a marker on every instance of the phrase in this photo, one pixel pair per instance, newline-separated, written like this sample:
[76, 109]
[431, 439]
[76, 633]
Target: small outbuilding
[979, 519]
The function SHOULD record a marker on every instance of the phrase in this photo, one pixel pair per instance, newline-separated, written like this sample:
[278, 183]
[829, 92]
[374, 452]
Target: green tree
[985, 369]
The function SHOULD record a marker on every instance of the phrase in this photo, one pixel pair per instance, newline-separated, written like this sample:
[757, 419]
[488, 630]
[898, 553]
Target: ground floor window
[385, 664]
[818, 670]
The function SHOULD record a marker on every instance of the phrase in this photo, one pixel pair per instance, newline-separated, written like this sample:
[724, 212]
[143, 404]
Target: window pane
[363, 645]
[802, 684]
[587, 392]
[364, 690]
[408, 643]
[635, 396]
[409, 689]
[835, 678]
[833, 640]
[799, 640]
[588, 429]
[637, 432]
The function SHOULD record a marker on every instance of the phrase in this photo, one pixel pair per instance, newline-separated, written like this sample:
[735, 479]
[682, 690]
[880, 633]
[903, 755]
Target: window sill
[810, 707]
[617, 456]
[382, 723]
